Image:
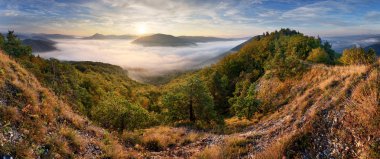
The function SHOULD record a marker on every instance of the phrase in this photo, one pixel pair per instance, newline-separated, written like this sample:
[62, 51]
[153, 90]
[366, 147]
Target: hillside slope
[35, 124]
[326, 113]
[40, 45]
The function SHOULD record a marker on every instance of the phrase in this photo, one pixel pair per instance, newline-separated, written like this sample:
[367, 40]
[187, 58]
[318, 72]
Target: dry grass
[76, 142]
[112, 148]
[44, 121]
[277, 149]
[232, 147]
[160, 138]
[234, 124]
[168, 137]
[365, 102]
[10, 114]
[212, 152]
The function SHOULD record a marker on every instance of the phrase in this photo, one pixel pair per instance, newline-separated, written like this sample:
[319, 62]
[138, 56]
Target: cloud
[139, 60]
[190, 17]
[322, 13]
[373, 16]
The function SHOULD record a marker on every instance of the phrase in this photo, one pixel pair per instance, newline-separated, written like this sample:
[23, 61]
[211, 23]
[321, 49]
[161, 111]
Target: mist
[140, 61]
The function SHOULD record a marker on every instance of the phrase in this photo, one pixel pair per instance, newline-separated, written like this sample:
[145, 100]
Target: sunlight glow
[141, 29]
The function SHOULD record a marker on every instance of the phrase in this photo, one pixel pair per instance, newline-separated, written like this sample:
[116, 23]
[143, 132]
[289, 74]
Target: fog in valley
[140, 61]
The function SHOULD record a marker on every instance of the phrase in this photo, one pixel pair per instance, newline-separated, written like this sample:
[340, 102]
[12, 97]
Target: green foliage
[280, 54]
[87, 86]
[105, 94]
[244, 102]
[319, 55]
[190, 101]
[358, 56]
[229, 71]
[116, 112]
[13, 46]
[2, 40]
[282, 66]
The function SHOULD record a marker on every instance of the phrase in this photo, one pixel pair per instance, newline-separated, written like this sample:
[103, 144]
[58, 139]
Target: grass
[160, 138]
[364, 112]
[49, 127]
[234, 124]
[75, 141]
[277, 149]
[213, 152]
[232, 147]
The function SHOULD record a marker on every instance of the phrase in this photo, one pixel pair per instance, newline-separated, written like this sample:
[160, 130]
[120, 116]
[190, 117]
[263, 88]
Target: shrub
[233, 147]
[283, 66]
[153, 145]
[116, 112]
[213, 152]
[319, 55]
[244, 102]
[358, 56]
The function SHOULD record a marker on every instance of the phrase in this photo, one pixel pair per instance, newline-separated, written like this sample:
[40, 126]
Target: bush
[244, 102]
[282, 66]
[319, 55]
[358, 56]
[116, 112]
[153, 145]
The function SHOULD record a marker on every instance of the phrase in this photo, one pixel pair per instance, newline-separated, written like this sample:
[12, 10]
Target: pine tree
[14, 47]
[190, 101]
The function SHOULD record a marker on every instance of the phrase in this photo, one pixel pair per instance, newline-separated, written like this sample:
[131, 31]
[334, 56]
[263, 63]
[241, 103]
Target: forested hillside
[281, 94]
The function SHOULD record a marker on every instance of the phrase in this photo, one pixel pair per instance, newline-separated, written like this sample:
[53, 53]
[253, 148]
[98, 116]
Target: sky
[224, 18]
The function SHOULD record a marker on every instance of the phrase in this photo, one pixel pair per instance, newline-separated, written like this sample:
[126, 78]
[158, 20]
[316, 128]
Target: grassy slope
[317, 119]
[328, 109]
[35, 123]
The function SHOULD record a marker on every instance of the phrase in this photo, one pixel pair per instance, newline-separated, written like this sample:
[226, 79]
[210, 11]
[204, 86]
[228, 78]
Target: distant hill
[40, 45]
[163, 40]
[376, 47]
[340, 43]
[233, 50]
[101, 36]
[237, 48]
[52, 36]
[203, 39]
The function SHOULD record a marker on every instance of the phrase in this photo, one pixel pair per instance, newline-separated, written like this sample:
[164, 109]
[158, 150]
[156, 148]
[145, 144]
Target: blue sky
[190, 17]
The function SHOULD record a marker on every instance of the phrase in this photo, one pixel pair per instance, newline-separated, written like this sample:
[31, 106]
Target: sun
[141, 29]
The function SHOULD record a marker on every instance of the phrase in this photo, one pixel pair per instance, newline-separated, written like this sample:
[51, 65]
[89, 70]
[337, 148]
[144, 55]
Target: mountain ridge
[162, 40]
[98, 36]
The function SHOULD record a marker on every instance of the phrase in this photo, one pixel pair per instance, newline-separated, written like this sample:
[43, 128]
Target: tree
[190, 101]
[14, 47]
[283, 66]
[244, 102]
[358, 56]
[319, 55]
[371, 55]
[116, 112]
[1, 41]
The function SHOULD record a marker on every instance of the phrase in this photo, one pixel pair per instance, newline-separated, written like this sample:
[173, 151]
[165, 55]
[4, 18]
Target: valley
[281, 94]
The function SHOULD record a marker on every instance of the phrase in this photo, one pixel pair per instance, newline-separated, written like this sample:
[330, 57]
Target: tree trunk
[191, 111]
